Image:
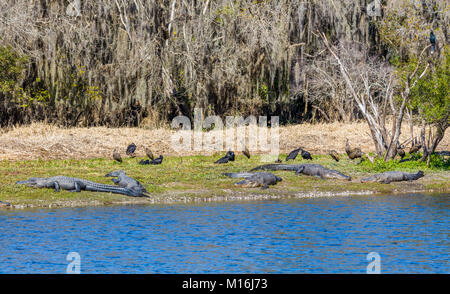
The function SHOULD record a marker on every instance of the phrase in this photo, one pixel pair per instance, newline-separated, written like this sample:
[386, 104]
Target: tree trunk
[392, 149]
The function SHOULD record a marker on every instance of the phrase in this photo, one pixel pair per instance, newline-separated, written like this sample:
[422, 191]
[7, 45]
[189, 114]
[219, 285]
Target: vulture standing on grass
[229, 156]
[154, 161]
[149, 153]
[116, 156]
[353, 153]
[158, 160]
[334, 155]
[293, 154]
[401, 152]
[246, 152]
[305, 154]
[415, 148]
[130, 150]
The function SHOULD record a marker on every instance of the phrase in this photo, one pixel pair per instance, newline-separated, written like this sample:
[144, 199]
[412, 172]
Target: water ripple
[314, 235]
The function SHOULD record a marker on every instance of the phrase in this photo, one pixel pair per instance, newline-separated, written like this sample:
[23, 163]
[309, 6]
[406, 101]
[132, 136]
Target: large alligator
[4, 204]
[252, 180]
[125, 181]
[393, 176]
[77, 184]
[316, 170]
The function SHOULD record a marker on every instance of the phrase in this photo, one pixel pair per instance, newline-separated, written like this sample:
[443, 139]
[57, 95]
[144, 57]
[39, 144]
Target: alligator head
[32, 182]
[115, 173]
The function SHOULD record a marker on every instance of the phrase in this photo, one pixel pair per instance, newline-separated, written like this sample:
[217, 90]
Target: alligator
[251, 180]
[125, 181]
[4, 204]
[393, 176]
[76, 185]
[316, 170]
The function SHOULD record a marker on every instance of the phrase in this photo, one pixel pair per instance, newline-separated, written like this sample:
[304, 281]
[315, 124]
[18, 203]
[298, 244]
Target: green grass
[197, 176]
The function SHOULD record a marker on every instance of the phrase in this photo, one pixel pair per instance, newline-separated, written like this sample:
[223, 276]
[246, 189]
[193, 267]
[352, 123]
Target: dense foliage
[118, 62]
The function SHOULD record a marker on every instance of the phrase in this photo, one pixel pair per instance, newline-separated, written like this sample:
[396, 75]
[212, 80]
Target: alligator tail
[113, 189]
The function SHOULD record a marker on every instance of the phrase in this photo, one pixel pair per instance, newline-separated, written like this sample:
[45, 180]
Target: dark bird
[433, 42]
[222, 160]
[347, 147]
[154, 161]
[305, 154]
[116, 156]
[229, 156]
[415, 148]
[401, 152]
[334, 155]
[158, 160]
[130, 150]
[293, 154]
[149, 153]
[353, 153]
[246, 152]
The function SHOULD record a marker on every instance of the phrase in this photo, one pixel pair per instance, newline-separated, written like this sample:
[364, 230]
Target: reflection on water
[322, 235]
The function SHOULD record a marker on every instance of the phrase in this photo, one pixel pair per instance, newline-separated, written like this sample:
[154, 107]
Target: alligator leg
[265, 187]
[299, 171]
[77, 187]
[56, 185]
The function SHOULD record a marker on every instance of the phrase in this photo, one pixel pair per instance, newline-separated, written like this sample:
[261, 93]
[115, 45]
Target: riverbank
[198, 179]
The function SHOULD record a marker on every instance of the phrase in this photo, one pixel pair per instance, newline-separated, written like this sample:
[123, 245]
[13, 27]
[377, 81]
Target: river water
[409, 233]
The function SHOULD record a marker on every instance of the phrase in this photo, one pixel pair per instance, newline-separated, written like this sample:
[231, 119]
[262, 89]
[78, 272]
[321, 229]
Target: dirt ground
[43, 141]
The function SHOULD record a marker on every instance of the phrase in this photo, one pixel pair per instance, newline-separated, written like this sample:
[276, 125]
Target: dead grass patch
[44, 141]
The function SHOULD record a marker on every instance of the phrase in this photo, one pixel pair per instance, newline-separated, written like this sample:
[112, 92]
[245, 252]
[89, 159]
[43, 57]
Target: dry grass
[51, 142]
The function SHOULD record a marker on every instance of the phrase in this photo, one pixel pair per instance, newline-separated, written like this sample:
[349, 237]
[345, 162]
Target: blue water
[321, 235]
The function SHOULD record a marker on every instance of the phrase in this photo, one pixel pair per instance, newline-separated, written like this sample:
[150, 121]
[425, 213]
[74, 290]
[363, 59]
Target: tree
[430, 98]
[371, 84]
